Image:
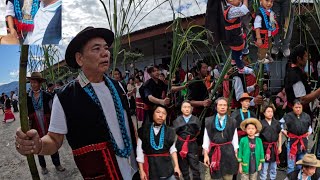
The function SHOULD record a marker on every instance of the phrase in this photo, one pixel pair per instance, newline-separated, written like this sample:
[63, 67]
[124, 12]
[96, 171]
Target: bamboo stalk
[218, 83]
[23, 106]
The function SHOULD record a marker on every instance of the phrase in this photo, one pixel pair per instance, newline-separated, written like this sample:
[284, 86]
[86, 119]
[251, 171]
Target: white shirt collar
[51, 7]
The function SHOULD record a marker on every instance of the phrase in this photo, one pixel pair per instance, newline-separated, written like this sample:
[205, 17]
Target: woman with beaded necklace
[155, 145]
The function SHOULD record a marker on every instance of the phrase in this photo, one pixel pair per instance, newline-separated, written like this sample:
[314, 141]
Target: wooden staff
[23, 106]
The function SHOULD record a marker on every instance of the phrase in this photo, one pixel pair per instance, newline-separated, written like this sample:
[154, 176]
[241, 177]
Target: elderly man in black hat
[39, 105]
[92, 111]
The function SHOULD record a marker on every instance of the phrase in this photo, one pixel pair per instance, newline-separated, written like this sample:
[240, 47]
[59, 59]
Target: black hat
[82, 38]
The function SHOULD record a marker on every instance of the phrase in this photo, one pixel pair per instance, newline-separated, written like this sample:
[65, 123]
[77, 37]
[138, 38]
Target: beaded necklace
[223, 125]
[300, 176]
[37, 104]
[126, 151]
[161, 139]
[19, 14]
[242, 116]
[265, 17]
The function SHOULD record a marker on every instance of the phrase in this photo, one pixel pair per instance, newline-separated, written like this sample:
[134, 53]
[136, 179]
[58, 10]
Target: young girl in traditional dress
[250, 154]
[271, 138]
[155, 145]
[8, 115]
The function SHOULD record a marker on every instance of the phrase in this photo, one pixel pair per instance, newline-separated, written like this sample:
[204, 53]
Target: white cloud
[14, 74]
[82, 13]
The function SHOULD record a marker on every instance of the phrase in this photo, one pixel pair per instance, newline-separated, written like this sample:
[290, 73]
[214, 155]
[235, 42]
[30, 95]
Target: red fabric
[268, 151]
[225, 84]
[182, 75]
[234, 26]
[251, 80]
[8, 114]
[184, 150]
[265, 39]
[36, 125]
[238, 48]
[216, 156]
[294, 146]
[207, 81]
[97, 161]
[146, 162]
[89, 148]
[105, 157]
[23, 27]
[140, 109]
[241, 133]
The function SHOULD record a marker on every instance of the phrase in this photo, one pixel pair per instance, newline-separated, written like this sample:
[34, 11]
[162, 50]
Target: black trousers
[192, 161]
[54, 157]
[15, 106]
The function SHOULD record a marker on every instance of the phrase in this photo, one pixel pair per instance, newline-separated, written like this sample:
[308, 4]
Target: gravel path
[14, 166]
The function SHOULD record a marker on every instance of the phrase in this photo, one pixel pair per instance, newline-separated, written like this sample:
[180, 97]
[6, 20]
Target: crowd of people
[231, 131]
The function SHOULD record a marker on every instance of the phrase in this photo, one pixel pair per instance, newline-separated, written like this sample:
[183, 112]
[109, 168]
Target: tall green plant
[123, 20]
[184, 42]
[43, 58]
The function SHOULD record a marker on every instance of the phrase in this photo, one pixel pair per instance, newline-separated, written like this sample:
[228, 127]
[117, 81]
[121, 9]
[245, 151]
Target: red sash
[184, 150]
[216, 156]
[294, 146]
[268, 151]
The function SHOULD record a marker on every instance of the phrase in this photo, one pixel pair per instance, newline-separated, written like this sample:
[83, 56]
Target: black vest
[233, 36]
[184, 129]
[263, 23]
[85, 121]
[270, 133]
[237, 116]
[298, 126]
[228, 161]
[158, 166]
[294, 75]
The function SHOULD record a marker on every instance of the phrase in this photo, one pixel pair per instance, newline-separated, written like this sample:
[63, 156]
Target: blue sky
[9, 63]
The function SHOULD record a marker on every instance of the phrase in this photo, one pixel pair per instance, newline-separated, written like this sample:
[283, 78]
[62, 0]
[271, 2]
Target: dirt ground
[14, 166]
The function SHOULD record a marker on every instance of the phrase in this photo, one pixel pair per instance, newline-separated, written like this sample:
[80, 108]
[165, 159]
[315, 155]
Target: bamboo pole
[23, 106]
